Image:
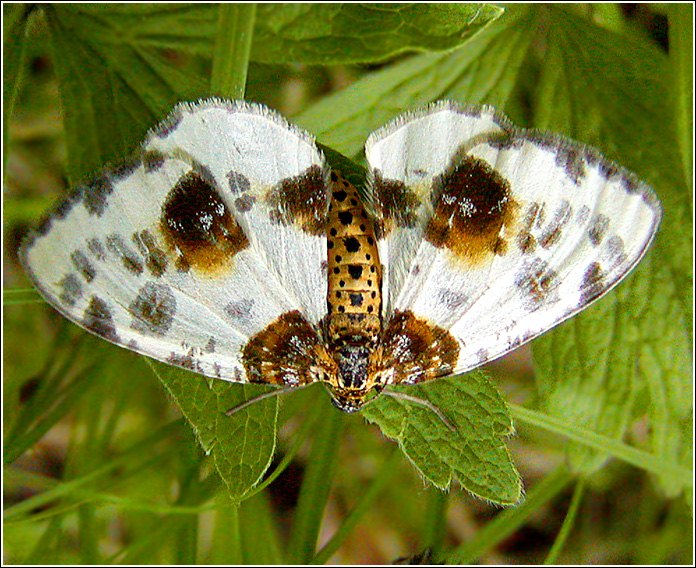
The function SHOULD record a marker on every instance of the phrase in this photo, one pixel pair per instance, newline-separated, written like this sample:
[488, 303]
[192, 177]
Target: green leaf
[112, 87]
[188, 28]
[242, 445]
[474, 453]
[485, 69]
[361, 33]
[681, 55]
[15, 20]
[610, 91]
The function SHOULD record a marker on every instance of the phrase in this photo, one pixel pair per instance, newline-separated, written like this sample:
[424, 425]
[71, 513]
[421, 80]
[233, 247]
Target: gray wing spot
[554, 230]
[95, 246]
[616, 250]
[538, 281]
[155, 257]
[72, 289]
[95, 195]
[128, 256]
[593, 283]
[598, 229]
[238, 183]
[98, 319]
[239, 311]
[153, 310]
[244, 203]
[451, 299]
[83, 265]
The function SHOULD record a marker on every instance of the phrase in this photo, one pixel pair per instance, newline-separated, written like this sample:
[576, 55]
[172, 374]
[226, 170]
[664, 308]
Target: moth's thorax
[353, 385]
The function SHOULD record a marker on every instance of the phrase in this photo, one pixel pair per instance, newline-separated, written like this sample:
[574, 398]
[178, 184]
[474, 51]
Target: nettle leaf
[485, 69]
[242, 445]
[474, 452]
[611, 91]
[361, 33]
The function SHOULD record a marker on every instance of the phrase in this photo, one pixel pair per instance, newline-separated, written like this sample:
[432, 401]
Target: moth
[230, 248]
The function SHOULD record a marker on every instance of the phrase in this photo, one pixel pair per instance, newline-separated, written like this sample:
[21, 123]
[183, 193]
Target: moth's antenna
[429, 405]
[253, 399]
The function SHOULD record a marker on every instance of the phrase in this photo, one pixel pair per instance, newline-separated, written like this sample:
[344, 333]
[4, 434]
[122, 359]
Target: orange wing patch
[412, 350]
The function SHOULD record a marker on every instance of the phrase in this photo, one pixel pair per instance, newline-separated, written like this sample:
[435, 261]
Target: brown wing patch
[394, 204]
[287, 352]
[472, 206]
[302, 200]
[414, 350]
[198, 228]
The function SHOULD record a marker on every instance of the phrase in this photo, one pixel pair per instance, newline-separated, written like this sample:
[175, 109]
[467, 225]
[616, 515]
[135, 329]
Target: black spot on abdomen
[355, 271]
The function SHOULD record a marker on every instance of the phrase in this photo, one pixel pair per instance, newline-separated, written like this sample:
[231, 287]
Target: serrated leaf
[483, 70]
[610, 91]
[362, 33]
[242, 445]
[474, 452]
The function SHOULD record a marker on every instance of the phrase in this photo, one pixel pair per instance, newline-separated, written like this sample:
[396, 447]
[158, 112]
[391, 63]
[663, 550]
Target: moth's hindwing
[496, 233]
[192, 251]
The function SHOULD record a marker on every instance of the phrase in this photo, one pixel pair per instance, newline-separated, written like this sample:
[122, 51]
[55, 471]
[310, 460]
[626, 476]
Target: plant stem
[316, 484]
[232, 49]
[366, 501]
[567, 524]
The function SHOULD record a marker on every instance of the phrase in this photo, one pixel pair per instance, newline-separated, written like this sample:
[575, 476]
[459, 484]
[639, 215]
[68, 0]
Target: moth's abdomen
[354, 293]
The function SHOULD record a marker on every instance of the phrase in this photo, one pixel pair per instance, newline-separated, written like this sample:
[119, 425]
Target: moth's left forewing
[206, 252]
[275, 182]
[102, 260]
[495, 233]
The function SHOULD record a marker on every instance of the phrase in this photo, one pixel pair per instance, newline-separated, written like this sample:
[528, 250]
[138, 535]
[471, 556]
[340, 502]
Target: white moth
[231, 249]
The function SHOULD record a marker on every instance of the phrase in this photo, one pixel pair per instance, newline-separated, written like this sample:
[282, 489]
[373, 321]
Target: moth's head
[352, 386]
